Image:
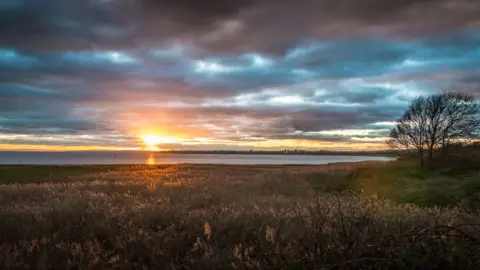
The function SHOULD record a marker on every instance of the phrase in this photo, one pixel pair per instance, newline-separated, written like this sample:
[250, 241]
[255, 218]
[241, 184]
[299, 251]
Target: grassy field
[405, 182]
[337, 216]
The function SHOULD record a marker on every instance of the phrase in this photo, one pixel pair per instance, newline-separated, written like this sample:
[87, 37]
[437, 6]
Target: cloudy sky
[226, 74]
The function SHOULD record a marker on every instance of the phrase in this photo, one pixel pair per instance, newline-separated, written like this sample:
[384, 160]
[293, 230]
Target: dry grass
[224, 217]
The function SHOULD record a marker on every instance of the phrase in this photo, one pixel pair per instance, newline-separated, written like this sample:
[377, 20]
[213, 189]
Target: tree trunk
[444, 150]
[430, 156]
[422, 161]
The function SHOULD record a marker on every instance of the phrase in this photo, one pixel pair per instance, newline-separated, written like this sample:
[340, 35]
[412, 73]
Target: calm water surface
[162, 158]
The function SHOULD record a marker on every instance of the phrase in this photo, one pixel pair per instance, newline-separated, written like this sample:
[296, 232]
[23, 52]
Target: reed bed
[224, 217]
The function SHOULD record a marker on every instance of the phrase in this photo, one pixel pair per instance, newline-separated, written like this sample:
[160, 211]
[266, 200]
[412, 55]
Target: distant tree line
[435, 122]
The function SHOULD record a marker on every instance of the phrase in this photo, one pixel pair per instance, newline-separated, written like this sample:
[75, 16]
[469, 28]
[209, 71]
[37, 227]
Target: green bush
[406, 182]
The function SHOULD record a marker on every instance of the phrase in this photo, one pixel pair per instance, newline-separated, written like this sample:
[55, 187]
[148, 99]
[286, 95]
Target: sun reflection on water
[151, 159]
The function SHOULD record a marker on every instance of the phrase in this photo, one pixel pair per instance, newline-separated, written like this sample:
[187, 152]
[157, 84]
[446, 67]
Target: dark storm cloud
[56, 24]
[232, 25]
[333, 19]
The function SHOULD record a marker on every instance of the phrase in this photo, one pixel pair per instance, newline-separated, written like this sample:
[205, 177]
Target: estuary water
[143, 157]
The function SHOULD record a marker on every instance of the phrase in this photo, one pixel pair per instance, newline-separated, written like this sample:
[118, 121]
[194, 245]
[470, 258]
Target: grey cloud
[56, 24]
[28, 109]
[264, 27]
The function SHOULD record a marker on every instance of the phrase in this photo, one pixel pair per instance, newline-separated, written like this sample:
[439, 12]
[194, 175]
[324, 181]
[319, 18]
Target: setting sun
[152, 141]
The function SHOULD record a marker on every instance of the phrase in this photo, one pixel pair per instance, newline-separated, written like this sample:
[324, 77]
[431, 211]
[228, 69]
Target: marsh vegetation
[336, 216]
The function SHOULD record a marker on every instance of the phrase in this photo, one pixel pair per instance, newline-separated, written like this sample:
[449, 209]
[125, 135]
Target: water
[125, 157]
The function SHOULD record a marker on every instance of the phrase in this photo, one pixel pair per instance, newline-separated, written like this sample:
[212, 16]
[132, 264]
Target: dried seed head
[207, 230]
[270, 234]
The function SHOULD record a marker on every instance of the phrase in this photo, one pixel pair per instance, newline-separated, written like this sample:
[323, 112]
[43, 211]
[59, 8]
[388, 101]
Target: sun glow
[152, 141]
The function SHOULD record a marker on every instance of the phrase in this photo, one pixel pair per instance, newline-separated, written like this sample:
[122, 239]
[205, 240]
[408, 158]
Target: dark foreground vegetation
[338, 216]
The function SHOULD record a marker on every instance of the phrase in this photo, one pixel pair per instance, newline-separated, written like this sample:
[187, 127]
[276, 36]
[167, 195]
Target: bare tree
[436, 121]
[410, 130]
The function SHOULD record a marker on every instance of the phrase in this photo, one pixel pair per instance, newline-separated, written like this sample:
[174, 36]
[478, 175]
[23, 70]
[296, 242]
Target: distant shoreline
[286, 153]
[232, 152]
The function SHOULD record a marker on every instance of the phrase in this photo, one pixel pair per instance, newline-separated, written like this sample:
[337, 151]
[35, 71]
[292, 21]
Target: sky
[226, 74]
